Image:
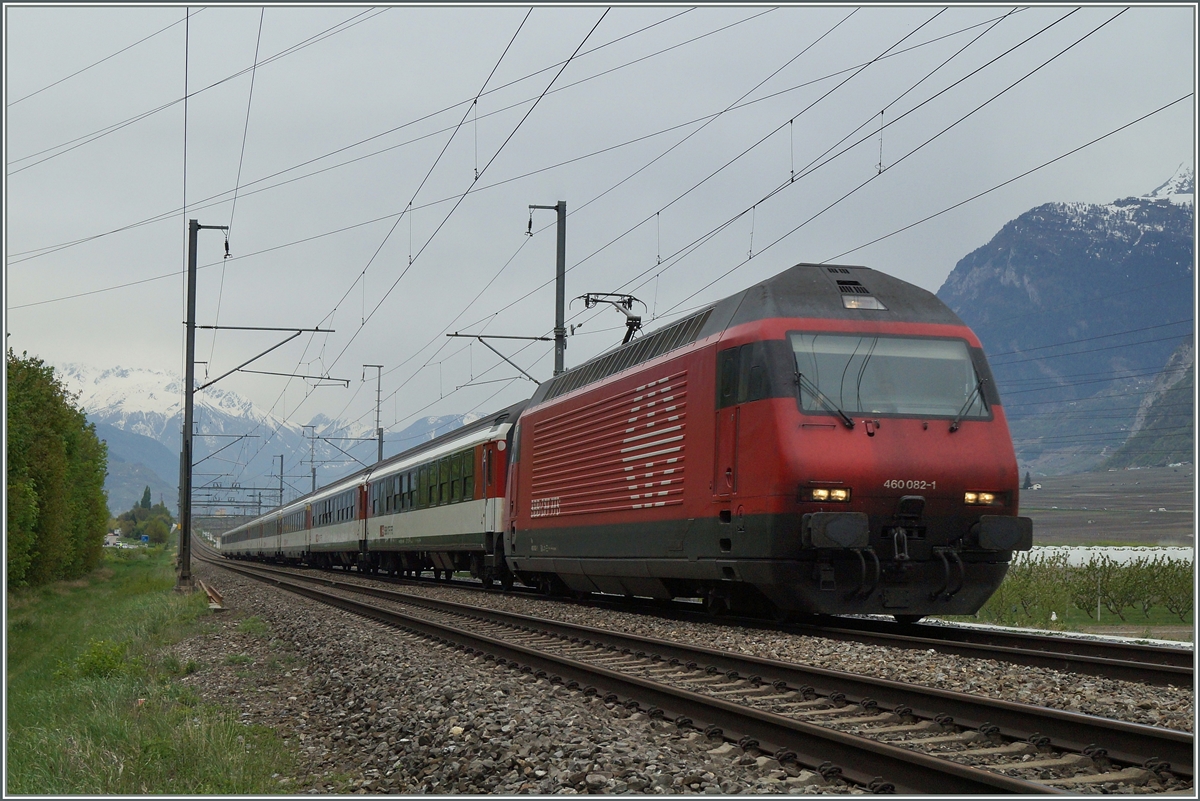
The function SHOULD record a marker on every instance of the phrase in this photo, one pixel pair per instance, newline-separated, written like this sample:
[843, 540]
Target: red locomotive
[829, 441]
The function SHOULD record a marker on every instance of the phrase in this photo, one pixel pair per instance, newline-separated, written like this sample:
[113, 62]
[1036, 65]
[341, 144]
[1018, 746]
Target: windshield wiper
[801, 381]
[970, 399]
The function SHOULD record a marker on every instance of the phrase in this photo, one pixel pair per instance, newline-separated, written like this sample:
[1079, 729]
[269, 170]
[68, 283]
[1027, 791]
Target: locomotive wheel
[487, 581]
[908, 618]
[506, 582]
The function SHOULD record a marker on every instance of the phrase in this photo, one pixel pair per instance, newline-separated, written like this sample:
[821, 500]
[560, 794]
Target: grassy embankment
[95, 707]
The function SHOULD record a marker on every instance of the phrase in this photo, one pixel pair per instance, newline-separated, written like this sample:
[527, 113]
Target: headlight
[822, 495]
[983, 499]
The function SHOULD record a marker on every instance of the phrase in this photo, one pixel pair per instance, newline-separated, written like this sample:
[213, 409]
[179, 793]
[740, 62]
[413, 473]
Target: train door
[512, 493]
[360, 493]
[742, 377]
[487, 493]
[725, 463]
[308, 529]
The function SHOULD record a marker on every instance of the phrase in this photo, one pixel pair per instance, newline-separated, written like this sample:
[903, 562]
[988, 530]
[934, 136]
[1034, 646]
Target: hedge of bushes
[57, 509]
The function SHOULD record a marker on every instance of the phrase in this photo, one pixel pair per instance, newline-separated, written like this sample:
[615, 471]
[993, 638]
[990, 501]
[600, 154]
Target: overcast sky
[699, 150]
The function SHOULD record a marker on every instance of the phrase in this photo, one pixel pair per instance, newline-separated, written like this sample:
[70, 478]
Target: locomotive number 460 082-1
[899, 483]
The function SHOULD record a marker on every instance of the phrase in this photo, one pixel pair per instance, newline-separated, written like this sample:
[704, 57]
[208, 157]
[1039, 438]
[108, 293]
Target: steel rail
[1125, 742]
[1144, 664]
[862, 761]
[1141, 653]
[1066, 660]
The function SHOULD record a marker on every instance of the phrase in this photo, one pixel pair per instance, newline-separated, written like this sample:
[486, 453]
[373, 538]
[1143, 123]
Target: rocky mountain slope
[1163, 431]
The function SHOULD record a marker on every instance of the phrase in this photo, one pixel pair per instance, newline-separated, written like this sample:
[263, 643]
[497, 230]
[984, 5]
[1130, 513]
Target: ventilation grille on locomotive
[852, 288]
[674, 336]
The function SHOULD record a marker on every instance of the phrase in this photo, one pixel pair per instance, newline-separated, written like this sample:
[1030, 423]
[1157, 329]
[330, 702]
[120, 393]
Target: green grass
[1051, 542]
[95, 708]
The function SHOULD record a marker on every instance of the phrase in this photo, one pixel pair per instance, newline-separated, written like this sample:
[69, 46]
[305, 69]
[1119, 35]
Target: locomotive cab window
[887, 375]
[744, 373]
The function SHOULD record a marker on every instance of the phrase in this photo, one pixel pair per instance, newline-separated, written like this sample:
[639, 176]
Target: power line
[1095, 350]
[1100, 436]
[101, 61]
[381, 218]
[212, 200]
[691, 247]
[1065, 385]
[165, 215]
[86, 139]
[1080, 400]
[1077, 340]
[429, 173]
[1110, 373]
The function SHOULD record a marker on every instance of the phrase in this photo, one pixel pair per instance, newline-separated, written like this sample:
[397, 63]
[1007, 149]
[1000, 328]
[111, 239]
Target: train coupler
[943, 553]
[864, 589]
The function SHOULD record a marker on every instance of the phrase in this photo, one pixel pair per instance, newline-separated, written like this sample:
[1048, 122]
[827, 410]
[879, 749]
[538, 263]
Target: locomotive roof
[817, 290]
[805, 290]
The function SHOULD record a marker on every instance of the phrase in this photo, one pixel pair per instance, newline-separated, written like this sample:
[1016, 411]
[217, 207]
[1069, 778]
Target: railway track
[880, 735]
[1146, 664]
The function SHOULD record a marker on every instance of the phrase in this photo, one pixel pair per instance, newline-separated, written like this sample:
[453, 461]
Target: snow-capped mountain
[150, 402]
[1077, 303]
[237, 445]
[1180, 188]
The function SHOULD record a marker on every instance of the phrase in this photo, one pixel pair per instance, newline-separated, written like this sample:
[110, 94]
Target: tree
[1028, 481]
[146, 499]
[55, 483]
[138, 521]
[157, 529]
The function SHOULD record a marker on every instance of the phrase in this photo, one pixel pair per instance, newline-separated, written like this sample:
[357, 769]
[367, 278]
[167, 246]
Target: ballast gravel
[1167, 707]
[370, 709]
